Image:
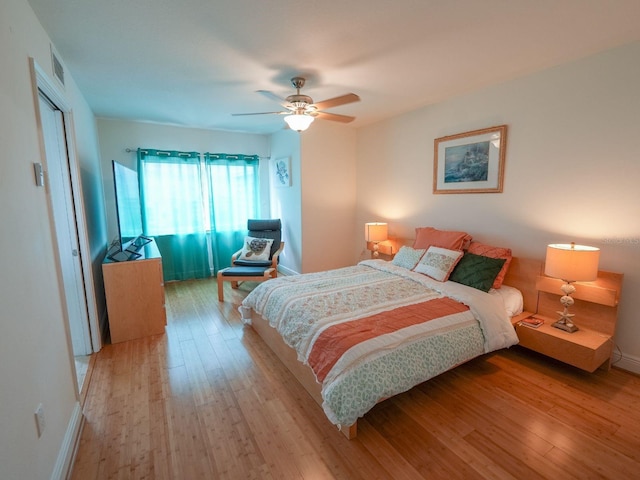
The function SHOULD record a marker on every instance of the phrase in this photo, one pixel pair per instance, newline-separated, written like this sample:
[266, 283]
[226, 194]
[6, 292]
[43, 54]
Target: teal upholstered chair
[244, 268]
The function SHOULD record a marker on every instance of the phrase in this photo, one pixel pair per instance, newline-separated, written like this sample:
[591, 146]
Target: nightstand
[596, 309]
[585, 349]
[385, 250]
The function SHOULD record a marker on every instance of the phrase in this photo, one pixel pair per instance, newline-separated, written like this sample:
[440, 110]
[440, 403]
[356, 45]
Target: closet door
[60, 190]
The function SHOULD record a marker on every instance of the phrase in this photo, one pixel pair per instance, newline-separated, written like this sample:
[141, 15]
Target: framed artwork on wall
[281, 172]
[470, 162]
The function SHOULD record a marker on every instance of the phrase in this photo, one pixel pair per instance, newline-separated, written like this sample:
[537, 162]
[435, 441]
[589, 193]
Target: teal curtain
[234, 197]
[173, 211]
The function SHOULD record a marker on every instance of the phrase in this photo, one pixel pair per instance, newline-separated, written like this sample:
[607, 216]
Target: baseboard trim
[628, 362]
[286, 271]
[62, 469]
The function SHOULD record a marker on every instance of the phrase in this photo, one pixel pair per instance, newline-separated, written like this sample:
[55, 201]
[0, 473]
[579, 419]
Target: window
[197, 207]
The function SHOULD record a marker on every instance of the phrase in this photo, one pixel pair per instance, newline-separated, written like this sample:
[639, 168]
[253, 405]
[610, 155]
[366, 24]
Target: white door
[65, 225]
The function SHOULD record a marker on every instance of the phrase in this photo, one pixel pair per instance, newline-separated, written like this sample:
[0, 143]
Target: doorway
[65, 200]
[53, 131]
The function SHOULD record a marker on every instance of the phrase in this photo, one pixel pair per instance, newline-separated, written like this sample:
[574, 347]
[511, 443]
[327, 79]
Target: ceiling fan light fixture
[298, 122]
[300, 110]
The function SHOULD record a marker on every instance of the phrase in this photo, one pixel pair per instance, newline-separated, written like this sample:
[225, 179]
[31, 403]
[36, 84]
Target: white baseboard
[67, 453]
[628, 362]
[286, 271]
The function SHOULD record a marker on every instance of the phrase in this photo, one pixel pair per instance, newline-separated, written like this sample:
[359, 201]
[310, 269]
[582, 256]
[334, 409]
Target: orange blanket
[333, 342]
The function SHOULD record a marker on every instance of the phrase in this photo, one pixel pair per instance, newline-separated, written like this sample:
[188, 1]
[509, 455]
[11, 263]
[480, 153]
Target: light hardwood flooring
[208, 400]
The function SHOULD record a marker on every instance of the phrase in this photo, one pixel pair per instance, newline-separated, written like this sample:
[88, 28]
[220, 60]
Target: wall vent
[58, 69]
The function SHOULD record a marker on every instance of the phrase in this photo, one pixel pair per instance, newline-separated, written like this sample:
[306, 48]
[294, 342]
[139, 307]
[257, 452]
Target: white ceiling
[195, 62]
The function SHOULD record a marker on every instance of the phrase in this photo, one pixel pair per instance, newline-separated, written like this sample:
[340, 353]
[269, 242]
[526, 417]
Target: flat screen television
[128, 212]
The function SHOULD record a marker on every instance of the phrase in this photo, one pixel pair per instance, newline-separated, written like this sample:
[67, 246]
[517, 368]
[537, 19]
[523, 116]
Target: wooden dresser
[135, 295]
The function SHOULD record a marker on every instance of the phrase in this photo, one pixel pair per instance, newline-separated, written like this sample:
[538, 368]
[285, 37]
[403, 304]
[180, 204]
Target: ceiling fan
[300, 109]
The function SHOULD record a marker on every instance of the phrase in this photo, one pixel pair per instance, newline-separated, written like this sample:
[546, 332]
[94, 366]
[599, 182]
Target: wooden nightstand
[596, 309]
[585, 349]
[386, 250]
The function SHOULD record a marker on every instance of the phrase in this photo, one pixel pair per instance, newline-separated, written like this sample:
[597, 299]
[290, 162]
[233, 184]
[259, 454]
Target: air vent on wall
[58, 69]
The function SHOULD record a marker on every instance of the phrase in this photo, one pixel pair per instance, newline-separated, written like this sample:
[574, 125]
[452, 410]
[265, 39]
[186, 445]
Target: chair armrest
[276, 254]
[235, 256]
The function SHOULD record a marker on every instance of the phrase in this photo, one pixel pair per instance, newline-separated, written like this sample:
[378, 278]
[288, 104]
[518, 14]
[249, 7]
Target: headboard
[522, 273]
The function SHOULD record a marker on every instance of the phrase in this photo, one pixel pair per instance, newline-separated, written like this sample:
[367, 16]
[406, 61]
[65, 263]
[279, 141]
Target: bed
[358, 335]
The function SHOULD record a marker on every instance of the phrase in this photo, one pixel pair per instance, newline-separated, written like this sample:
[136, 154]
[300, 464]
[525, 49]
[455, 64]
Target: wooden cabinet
[135, 295]
[596, 315]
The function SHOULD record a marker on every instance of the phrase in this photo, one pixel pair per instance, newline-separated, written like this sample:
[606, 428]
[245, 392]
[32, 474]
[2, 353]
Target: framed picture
[282, 172]
[471, 162]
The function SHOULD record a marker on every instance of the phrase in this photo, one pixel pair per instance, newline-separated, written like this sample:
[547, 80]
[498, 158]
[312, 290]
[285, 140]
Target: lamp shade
[298, 121]
[571, 262]
[375, 232]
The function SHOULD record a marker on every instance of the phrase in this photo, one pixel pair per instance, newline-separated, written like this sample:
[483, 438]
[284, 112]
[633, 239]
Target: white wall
[328, 167]
[118, 135]
[572, 170]
[286, 202]
[35, 359]
[318, 209]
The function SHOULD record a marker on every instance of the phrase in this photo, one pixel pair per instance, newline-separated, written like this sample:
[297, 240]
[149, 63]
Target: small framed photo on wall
[470, 162]
[281, 172]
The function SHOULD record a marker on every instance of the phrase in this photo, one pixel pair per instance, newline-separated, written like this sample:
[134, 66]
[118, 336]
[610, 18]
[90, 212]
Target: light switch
[39, 172]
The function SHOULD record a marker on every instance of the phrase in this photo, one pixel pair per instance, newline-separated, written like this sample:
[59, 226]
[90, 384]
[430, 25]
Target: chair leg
[220, 288]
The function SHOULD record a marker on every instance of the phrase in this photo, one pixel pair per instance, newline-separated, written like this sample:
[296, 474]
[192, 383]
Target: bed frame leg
[350, 431]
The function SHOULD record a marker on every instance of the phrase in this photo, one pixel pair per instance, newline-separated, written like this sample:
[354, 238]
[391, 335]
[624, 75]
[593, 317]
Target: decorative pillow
[449, 239]
[493, 252]
[407, 257]
[438, 263]
[256, 249]
[477, 271]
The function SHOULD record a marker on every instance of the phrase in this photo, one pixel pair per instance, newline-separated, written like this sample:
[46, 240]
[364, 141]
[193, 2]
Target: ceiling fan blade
[336, 101]
[272, 96]
[260, 113]
[334, 117]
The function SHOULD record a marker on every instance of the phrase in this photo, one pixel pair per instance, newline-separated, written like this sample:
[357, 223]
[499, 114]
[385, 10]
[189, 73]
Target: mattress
[374, 330]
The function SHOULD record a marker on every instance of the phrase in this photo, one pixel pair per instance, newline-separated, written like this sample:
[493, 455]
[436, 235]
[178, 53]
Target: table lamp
[375, 233]
[570, 263]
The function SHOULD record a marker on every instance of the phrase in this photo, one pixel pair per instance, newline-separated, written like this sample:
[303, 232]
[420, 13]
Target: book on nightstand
[531, 322]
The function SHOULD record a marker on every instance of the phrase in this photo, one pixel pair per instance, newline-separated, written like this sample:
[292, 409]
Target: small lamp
[298, 121]
[571, 263]
[375, 233]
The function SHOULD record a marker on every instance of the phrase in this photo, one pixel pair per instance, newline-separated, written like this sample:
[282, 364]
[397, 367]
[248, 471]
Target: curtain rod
[134, 150]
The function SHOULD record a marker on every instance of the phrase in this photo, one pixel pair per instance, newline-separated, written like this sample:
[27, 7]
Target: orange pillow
[478, 248]
[428, 236]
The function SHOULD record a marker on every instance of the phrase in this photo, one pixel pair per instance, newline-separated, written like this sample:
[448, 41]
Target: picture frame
[470, 162]
[281, 172]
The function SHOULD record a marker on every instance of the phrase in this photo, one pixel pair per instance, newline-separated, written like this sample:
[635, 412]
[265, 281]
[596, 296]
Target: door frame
[40, 81]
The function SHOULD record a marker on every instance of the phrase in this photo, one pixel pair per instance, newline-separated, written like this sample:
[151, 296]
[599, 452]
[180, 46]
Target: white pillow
[438, 263]
[408, 257]
[256, 249]
[511, 297]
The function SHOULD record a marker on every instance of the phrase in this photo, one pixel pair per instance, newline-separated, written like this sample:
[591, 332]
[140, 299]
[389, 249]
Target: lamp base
[563, 326]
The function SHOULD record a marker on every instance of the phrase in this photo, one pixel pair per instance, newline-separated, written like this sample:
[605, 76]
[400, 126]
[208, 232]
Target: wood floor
[208, 400]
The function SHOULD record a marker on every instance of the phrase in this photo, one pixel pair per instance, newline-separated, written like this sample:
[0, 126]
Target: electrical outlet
[39, 414]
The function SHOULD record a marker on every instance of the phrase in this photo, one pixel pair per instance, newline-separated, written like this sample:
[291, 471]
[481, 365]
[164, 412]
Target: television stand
[135, 295]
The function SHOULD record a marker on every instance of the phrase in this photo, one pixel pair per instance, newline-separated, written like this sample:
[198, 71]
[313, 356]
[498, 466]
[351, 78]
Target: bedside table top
[584, 337]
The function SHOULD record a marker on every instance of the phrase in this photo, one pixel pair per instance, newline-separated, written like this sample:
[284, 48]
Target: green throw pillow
[477, 271]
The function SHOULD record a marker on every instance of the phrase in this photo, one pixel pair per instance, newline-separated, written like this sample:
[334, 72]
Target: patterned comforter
[374, 330]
